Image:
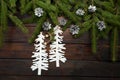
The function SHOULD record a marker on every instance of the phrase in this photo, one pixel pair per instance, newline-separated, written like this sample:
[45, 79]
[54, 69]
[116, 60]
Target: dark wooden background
[15, 59]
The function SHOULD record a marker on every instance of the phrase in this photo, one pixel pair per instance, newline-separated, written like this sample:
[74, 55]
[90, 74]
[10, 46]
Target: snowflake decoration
[74, 29]
[41, 61]
[80, 12]
[62, 21]
[101, 25]
[38, 12]
[46, 26]
[92, 8]
[56, 48]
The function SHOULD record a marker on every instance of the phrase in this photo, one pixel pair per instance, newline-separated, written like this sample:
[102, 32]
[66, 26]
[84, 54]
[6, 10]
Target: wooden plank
[53, 78]
[21, 50]
[70, 68]
[73, 51]
[15, 35]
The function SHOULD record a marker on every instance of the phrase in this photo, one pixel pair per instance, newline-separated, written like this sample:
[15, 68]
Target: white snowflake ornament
[80, 12]
[46, 26]
[74, 29]
[38, 12]
[56, 48]
[41, 61]
[92, 8]
[101, 25]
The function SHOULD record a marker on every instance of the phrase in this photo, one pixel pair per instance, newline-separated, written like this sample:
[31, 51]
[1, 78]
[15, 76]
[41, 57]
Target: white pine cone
[80, 12]
[62, 21]
[101, 25]
[46, 26]
[38, 12]
[92, 8]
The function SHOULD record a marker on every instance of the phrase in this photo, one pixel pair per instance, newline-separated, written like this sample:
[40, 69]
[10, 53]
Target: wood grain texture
[73, 51]
[15, 35]
[15, 59]
[70, 68]
[54, 78]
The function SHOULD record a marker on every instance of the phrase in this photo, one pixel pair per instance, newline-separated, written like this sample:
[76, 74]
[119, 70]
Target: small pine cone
[46, 26]
[101, 25]
[74, 29]
[38, 12]
[80, 12]
[62, 21]
[92, 8]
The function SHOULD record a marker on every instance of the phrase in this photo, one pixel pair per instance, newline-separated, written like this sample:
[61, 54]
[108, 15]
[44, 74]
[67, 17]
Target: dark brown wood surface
[15, 59]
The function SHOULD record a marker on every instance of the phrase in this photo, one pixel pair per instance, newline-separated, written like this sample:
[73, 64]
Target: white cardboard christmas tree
[56, 48]
[41, 57]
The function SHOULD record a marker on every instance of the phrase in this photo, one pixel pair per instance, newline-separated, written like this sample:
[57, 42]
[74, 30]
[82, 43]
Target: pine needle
[53, 17]
[18, 23]
[38, 28]
[114, 43]
[4, 16]
[1, 37]
[25, 8]
[93, 39]
[69, 14]
[12, 3]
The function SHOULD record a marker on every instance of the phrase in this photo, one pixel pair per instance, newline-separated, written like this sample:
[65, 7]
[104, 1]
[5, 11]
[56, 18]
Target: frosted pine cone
[46, 26]
[92, 8]
[62, 21]
[74, 29]
[80, 12]
[38, 12]
[101, 25]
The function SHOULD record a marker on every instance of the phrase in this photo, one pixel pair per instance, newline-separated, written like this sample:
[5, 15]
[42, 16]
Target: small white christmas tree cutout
[41, 57]
[56, 48]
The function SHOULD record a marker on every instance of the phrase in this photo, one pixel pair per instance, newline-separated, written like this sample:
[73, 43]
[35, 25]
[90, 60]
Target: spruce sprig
[18, 23]
[38, 28]
[114, 44]
[4, 13]
[3, 21]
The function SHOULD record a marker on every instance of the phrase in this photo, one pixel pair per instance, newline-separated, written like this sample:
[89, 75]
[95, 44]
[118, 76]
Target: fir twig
[25, 8]
[18, 23]
[68, 13]
[4, 15]
[94, 39]
[53, 18]
[46, 7]
[37, 29]
[3, 21]
[1, 37]
[12, 3]
[114, 43]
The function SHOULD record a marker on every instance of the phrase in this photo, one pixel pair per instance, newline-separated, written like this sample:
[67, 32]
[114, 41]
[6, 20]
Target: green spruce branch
[54, 17]
[93, 39]
[107, 10]
[46, 7]
[3, 21]
[18, 23]
[67, 12]
[1, 37]
[38, 28]
[12, 3]
[4, 14]
[25, 7]
[114, 44]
